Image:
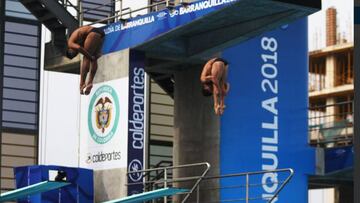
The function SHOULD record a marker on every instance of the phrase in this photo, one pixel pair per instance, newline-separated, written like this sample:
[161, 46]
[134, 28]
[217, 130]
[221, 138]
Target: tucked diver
[86, 40]
[214, 82]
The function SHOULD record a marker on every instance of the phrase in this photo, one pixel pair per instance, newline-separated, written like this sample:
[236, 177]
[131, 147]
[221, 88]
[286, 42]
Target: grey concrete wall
[197, 131]
[106, 64]
[110, 184]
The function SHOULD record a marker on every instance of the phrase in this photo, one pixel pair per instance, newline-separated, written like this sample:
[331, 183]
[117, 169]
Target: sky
[345, 22]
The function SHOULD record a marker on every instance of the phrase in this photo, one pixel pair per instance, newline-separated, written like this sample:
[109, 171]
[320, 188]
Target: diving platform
[193, 31]
[223, 27]
[37, 188]
[176, 38]
[146, 196]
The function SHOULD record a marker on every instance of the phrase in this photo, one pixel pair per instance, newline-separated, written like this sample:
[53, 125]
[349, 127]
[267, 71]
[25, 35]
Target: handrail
[247, 174]
[250, 173]
[203, 177]
[328, 105]
[122, 10]
[171, 167]
[136, 10]
[100, 6]
[165, 179]
[197, 182]
[117, 14]
[158, 175]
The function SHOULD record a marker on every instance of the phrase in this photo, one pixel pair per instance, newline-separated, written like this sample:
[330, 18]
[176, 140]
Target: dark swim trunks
[221, 60]
[98, 31]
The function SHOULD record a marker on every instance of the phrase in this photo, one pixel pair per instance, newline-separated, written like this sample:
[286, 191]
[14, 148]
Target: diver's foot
[221, 111]
[88, 89]
[217, 110]
[82, 86]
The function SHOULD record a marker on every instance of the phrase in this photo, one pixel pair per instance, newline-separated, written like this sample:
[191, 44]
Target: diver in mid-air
[214, 82]
[86, 40]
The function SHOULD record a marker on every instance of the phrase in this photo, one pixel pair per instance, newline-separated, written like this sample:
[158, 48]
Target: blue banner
[264, 126]
[140, 29]
[136, 128]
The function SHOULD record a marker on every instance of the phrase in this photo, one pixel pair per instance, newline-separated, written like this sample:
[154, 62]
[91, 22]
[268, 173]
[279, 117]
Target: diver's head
[71, 53]
[207, 89]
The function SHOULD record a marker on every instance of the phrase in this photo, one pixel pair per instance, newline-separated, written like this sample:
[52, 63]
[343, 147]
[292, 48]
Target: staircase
[54, 16]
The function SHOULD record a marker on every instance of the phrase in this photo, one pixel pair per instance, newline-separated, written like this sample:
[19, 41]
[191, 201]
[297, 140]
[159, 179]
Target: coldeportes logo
[101, 156]
[103, 114]
[135, 165]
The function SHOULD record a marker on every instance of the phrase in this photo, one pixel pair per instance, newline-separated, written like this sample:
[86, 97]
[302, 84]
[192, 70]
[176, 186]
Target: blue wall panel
[268, 99]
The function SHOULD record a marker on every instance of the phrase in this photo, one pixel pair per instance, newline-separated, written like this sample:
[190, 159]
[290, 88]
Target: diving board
[31, 190]
[149, 195]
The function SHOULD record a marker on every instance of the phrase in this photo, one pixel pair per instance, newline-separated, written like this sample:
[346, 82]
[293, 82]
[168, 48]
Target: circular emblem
[103, 114]
[135, 165]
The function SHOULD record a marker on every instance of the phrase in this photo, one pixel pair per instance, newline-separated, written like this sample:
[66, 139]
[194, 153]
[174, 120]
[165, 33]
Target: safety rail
[166, 182]
[228, 186]
[331, 125]
[283, 176]
[118, 13]
[159, 174]
[100, 6]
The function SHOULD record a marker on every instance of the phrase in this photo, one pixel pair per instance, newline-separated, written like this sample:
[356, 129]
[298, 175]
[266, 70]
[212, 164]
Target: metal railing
[200, 185]
[165, 181]
[121, 12]
[243, 192]
[118, 14]
[331, 125]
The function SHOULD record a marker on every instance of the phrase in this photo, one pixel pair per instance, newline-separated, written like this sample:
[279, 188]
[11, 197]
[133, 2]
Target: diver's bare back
[80, 34]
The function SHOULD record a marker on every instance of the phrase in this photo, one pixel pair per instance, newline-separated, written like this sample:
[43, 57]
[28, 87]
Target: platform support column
[197, 128]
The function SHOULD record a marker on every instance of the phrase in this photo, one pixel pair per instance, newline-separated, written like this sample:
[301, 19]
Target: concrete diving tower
[171, 45]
